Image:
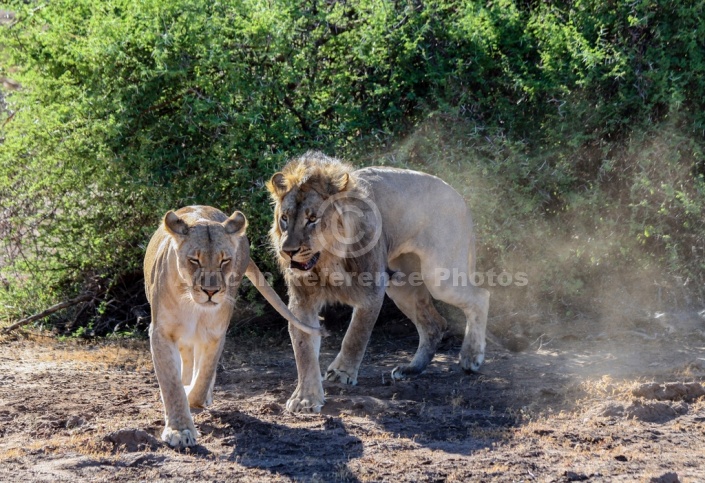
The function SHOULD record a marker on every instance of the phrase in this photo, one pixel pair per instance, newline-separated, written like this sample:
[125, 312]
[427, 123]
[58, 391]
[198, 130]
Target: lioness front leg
[308, 397]
[346, 365]
[179, 430]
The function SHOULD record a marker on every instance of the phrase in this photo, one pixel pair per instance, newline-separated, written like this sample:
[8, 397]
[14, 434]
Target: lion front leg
[179, 430]
[308, 397]
[346, 365]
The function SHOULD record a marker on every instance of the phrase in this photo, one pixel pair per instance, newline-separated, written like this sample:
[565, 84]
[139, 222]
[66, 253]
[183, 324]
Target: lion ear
[328, 186]
[236, 224]
[174, 224]
[277, 185]
[342, 182]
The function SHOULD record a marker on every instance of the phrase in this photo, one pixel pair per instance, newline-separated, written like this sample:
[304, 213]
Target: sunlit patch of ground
[565, 409]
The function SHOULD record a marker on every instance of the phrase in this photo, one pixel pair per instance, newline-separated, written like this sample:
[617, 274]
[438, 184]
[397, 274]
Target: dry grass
[130, 354]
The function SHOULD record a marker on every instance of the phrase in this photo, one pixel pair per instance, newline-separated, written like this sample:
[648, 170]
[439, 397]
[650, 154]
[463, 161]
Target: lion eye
[224, 262]
[194, 261]
[312, 220]
[283, 221]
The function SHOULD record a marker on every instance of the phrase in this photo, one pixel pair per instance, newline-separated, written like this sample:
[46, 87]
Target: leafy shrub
[128, 109]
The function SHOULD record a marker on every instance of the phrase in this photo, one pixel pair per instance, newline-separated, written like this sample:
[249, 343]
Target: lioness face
[207, 258]
[297, 217]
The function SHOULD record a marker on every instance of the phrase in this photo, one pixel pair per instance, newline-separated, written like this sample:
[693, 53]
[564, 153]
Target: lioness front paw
[471, 364]
[334, 375]
[179, 438]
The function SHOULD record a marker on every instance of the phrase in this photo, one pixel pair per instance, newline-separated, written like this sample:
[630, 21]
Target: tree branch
[54, 308]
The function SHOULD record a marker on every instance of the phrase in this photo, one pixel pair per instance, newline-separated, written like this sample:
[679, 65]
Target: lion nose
[210, 291]
[291, 253]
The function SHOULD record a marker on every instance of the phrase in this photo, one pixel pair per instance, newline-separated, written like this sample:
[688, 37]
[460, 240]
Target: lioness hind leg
[206, 357]
[416, 303]
[186, 352]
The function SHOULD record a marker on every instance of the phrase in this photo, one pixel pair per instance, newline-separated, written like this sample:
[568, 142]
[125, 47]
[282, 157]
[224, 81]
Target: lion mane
[328, 178]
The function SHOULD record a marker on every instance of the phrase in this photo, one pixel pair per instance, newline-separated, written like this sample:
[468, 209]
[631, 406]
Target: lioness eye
[312, 219]
[195, 261]
[224, 262]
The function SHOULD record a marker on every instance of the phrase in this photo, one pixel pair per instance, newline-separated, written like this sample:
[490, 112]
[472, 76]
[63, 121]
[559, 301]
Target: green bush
[128, 109]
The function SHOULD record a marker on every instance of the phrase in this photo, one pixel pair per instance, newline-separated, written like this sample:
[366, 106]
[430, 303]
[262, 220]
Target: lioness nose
[291, 253]
[210, 291]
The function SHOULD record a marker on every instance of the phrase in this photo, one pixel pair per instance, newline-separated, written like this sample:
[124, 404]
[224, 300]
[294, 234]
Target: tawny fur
[376, 220]
[193, 267]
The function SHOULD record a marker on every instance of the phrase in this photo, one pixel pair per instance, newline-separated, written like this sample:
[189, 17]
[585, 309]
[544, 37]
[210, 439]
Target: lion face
[307, 217]
[208, 254]
[298, 219]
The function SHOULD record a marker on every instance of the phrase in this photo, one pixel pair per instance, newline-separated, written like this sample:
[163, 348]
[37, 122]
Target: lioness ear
[174, 224]
[277, 185]
[236, 224]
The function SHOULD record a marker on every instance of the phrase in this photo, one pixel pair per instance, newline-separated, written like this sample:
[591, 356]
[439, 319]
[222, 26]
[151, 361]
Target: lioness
[340, 233]
[192, 269]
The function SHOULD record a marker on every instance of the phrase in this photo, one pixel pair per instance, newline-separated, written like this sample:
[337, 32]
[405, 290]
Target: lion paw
[398, 374]
[334, 375]
[179, 438]
[296, 405]
[472, 364]
[403, 372]
[306, 401]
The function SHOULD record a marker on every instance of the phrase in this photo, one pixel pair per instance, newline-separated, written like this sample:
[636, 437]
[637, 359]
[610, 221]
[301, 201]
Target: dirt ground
[569, 402]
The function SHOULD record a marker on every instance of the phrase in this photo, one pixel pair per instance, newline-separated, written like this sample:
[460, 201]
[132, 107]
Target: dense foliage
[586, 112]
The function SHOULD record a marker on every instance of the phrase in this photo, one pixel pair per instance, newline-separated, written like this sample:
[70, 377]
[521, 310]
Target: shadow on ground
[283, 450]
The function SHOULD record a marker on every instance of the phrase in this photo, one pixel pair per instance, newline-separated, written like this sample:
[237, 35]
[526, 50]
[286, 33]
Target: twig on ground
[49, 311]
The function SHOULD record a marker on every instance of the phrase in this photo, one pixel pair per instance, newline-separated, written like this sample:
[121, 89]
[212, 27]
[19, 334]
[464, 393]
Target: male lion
[339, 233]
[192, 269]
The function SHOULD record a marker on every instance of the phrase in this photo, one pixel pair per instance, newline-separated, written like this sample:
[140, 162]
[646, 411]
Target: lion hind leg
[475, 303]
[417, 305]
[459, 291]
[472, 352]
